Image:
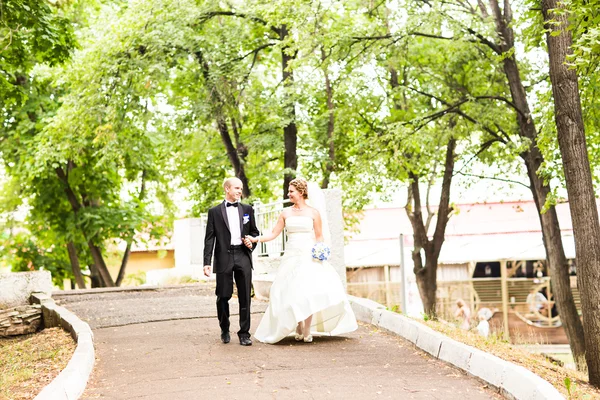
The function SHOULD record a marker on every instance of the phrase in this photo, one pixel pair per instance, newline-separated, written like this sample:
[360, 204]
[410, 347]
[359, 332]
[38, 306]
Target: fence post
[504, 286]
[388, 297]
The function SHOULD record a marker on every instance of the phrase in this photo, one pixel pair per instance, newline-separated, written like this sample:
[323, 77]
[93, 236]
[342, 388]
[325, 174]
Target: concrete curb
[512, 380]
[72, 380]
[67, 293]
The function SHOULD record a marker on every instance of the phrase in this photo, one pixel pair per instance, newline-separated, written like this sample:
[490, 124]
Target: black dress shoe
[225, 338]
[244, 341]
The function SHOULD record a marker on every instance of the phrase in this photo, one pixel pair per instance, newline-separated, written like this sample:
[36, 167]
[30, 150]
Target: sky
[466, 190]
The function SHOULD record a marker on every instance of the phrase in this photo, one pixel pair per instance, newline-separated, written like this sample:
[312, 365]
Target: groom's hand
[207, 270]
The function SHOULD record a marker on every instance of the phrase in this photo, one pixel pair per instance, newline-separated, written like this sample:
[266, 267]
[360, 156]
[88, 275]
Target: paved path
[172, 358]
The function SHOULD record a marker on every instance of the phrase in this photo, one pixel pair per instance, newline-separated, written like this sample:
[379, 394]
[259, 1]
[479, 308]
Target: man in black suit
[227, 226]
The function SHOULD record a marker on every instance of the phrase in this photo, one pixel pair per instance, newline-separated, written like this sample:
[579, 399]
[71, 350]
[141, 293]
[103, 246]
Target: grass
[180, 280]
[135, 279]
[572, 384]
[30, 362]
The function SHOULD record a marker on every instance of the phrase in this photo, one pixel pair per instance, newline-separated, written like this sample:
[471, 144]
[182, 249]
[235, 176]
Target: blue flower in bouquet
[321, 251]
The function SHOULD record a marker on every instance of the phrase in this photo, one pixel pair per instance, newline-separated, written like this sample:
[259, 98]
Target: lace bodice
[300, 235]
[298, 223]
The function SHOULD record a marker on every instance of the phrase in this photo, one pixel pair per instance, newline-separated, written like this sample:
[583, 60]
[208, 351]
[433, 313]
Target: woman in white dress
[307, 295]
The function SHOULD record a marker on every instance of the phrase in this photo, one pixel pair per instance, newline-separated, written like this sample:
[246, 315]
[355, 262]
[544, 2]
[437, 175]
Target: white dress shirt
[233, 217]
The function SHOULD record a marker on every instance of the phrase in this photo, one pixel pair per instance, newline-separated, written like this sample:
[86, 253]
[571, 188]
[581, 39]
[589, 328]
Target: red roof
[476, 232]
[469, 219]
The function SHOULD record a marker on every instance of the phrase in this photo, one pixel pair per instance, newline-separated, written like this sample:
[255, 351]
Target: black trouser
[240, 269]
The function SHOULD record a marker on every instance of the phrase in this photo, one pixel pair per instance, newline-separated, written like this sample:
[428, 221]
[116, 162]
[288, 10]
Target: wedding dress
[302, 287]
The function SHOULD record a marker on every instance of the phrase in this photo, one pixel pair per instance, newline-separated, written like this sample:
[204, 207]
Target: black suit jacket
[218, 236]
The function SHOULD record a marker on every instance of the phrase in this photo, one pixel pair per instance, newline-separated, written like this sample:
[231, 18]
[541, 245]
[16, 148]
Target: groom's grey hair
[229, 181]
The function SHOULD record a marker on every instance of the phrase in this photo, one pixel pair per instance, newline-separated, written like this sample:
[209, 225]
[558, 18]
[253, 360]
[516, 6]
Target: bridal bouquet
[321, 251]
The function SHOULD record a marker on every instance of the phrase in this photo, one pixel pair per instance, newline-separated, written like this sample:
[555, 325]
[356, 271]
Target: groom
[227, 224]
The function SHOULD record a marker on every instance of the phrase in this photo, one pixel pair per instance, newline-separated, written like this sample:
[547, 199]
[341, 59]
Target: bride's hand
[252, 239]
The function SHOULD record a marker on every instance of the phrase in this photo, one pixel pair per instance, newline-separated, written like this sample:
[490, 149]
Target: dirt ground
[29, 362]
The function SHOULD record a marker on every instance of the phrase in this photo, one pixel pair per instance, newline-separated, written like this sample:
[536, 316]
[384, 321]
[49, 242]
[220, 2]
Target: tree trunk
[444, 206]
[75, 265]
[290, 131]
[242, 153]
[124, 262]
[427, 283]
[424, 272]
[233, 155]
[106, 279]
[125, 258]
[330, 164]
[427, 275]
[578, 177]
[557, 262]
[100, 264]
[95, 280]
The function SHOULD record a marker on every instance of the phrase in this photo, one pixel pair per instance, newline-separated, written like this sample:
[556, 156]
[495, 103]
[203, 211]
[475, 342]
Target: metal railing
[487, 292]
[387, 293]
[266, 218]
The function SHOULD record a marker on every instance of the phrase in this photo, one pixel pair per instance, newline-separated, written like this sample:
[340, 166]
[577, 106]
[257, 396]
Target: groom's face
[233, 192]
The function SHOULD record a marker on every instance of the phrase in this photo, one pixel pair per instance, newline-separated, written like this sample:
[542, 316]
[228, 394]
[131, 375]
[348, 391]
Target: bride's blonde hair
[301, 186]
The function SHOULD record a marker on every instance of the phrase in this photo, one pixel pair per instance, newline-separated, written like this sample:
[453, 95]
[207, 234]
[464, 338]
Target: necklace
[295, 208]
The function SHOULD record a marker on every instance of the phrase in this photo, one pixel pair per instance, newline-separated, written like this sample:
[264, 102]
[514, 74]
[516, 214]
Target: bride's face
[294, 195]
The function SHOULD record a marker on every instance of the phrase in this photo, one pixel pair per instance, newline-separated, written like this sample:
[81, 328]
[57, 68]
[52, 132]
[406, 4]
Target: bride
[307, 295]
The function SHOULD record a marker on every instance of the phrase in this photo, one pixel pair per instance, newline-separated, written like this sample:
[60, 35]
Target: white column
[197, 233]
[333, 201]
[188, 238]
[16, 287]
[412, 298]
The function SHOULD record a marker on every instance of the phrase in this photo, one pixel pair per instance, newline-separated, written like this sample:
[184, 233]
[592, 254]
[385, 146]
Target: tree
[469, 24]
[426, 270]
[236, 153]
[93, 142]
[421, 75]
[584, 19]
[31, 31]
[541, 191]
[279, 26]
[578, 176]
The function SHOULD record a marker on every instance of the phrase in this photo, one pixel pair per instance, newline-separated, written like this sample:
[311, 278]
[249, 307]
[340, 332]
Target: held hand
[248, 242]
[207, 269]
[253, 239]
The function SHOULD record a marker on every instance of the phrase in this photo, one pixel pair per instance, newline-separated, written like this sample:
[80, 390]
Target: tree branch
[481, 39]
[454, 108]
[443, 208]
[212, 14]
[431, 36]
[504, 99]
[366, 38]
[245, 79]
[416, 215]
[484, 147]
[255, 52]
[494, 178]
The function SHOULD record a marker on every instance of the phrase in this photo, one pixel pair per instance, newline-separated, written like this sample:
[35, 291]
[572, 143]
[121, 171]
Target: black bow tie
[232, 204]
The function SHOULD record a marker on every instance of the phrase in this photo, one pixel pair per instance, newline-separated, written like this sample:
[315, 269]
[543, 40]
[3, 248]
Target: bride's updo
[301, 186]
